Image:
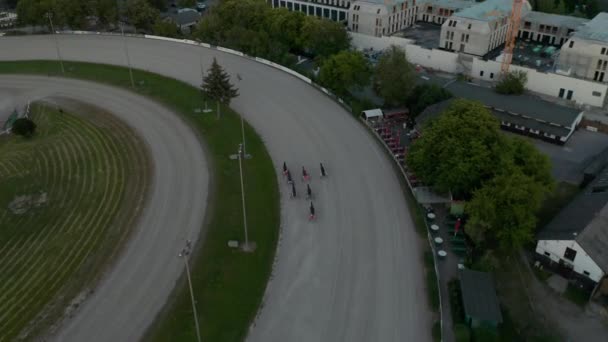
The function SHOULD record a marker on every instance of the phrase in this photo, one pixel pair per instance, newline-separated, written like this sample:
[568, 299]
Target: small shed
[372, 114]
[481, 307]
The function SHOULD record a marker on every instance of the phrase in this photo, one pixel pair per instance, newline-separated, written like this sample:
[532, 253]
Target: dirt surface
[355, 274]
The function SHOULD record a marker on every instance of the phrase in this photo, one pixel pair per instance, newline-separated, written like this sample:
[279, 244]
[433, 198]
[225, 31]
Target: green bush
[456, 307]
[431, 281]
[425, 95]
[483, 334]
[513, 83]
[24, 127]
[462, 333]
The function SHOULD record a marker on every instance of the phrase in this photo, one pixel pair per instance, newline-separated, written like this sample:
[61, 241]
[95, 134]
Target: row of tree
[393, 79]
[580, 8]
[253, 27]
[142, 14]
[503, 179]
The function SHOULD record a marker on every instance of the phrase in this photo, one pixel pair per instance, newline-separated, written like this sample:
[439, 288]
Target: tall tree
[592, 8]
[141, 14]
[216, 85]
[459, 150]
[322, 38]
[502, 214]
[344, 71]
[424, 95]
[165, 28]
[394, 77]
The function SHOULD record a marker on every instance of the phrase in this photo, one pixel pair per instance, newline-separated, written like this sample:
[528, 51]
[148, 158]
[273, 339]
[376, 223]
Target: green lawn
[93, 174]
[228, 284]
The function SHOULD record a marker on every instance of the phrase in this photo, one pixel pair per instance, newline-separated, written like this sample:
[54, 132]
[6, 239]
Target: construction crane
[514, 21]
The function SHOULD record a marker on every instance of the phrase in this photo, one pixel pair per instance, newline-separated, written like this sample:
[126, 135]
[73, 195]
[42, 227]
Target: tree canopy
[253, 27]
[502, 214]
[424, 95]
[322, 37]
[394, 77]
[141, 14]
[513, 83]
[24, 127]
[459, 150]
[344, 71]
[503, 179]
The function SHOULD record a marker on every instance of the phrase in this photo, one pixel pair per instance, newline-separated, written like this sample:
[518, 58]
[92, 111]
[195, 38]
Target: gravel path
[355, 274]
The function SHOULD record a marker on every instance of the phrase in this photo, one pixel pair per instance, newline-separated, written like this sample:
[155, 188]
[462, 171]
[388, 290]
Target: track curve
[148, 267]
[353, 275]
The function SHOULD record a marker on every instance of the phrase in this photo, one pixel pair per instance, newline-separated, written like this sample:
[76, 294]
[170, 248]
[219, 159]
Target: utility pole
[246, 247]
[50, 16]
[184, 254]
[124, 40]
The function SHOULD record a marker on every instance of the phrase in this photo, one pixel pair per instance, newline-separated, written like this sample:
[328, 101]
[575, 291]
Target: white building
[549, 28]
[478, 29]
[585, 54]
[381, 18]
[336, 10]
[576, 240]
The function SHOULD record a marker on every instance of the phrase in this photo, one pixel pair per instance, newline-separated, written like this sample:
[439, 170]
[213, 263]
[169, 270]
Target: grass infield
[68, 198]
[228, 284]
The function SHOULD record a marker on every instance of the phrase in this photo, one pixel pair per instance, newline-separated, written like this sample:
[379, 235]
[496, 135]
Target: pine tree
[216, 85]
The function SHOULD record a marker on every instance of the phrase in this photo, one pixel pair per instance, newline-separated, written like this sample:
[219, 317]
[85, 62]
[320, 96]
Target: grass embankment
[68, 197]
[228, 284]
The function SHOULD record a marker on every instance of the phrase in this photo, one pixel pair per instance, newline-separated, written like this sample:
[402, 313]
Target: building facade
[336, 10]
[548, 28]
[585, 53]
[478, 29]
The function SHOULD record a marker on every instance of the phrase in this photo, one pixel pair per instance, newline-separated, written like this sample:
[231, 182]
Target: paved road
[148, 267]
[353, 275]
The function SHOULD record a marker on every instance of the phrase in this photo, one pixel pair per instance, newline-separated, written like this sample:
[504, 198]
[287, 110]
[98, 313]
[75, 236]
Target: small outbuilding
[481, 306]
[372, 114]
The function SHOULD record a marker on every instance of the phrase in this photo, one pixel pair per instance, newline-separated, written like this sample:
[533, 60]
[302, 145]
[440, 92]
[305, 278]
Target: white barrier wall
[434, 59]
[362, 41]
[429, 58]
[583, 92]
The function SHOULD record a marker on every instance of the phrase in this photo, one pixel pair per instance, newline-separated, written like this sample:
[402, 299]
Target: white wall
[582, 261]
[434, 59]
[548, 83]
[361, 41]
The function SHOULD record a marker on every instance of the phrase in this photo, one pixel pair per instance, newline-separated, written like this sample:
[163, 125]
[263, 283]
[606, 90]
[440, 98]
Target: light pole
[184, 254]
[50, 16]
[246, 246]
[124, 41]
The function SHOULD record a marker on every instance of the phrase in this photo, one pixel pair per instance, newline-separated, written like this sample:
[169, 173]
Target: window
[596, 75]
[561, 92]
[466, 38]
[548, 254]
[491, 75]
[461, 47]
[481, 73]
[462, 37]
[596, 93]
[586, 273]
[469, 27]
[569, 96]
[571, 44]
[570, 254]
[603, 51]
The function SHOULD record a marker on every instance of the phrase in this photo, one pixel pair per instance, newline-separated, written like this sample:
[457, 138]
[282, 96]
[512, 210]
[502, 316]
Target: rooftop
[594, 239]
[455, 4]
[525, 105]
[555, 19]
[185, 16]
[424, 34]
[596, 29]
[487, 11]
[479, 296]
[576, 217]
